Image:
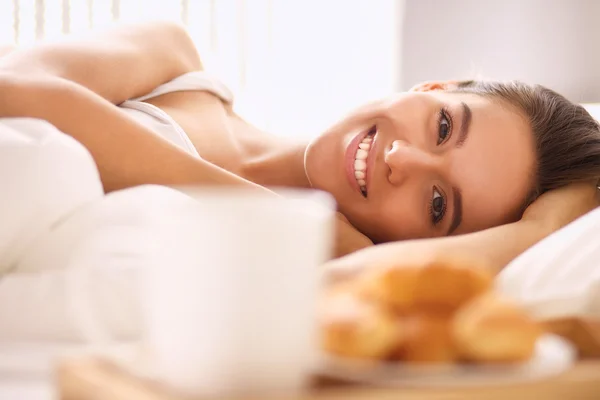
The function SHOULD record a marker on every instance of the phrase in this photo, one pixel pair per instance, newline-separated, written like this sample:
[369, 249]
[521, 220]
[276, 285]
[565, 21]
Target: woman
[446, 158]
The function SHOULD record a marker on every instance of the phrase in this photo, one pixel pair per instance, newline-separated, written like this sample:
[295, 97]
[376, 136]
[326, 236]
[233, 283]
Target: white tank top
[159, 121]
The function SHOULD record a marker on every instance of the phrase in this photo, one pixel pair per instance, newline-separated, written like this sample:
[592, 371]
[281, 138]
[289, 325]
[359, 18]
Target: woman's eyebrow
[463, 133]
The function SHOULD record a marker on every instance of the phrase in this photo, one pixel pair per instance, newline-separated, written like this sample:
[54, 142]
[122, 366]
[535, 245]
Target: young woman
[446, 158]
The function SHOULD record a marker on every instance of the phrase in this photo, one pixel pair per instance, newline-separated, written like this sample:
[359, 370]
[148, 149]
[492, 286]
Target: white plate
[553, 356]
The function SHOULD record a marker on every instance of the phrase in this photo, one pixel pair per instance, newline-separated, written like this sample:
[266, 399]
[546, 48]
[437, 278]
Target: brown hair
[566, 136]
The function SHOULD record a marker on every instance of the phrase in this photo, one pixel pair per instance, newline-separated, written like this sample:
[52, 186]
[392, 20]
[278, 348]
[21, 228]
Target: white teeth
[360, 162]
[361, 154]
[360, 165]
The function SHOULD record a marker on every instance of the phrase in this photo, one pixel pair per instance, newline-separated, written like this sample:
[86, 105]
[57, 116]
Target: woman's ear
[434, 85]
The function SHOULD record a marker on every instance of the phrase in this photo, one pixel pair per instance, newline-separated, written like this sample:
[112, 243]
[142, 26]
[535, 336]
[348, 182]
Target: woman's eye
[444, 126]
[438, 206]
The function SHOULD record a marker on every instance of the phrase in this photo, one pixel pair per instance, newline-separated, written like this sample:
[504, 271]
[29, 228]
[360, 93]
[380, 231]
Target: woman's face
[426, 163]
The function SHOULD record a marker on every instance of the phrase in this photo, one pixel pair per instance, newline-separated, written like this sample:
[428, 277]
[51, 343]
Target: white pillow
[559, 276]
[44, 176]
[593, 109]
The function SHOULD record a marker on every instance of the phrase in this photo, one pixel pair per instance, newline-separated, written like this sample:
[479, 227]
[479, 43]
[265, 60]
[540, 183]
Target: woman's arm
[494, 247]
[553, 210]
[126, 152]
[118, 64]
[347, 238]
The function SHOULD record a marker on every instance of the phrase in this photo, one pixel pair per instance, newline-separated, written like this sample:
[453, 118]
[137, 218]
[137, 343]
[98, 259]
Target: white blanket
[71, 258]
[44, 176]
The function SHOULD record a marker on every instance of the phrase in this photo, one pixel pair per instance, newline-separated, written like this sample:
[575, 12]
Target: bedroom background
[297, 65]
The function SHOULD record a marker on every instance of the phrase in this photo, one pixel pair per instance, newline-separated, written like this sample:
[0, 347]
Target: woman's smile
[359, 162]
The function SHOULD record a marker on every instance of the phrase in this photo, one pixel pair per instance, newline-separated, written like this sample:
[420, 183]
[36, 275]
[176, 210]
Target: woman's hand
[347, 238]
[559, 207]
[6, 49]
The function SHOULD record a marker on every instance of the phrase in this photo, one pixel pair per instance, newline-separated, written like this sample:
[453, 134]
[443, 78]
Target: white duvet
[71, 258]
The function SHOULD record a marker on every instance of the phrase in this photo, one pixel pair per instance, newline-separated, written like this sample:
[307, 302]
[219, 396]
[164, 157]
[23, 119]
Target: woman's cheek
[400, 221]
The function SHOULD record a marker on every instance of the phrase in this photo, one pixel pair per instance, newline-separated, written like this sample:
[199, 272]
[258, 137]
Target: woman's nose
[405, 160]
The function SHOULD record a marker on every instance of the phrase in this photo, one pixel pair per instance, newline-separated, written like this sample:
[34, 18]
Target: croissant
[437, 285]
[494, 329]
[437, 311]
[428, 339]
[352, 327]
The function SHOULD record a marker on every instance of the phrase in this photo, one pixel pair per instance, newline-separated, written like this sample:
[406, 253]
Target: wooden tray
[97, 379]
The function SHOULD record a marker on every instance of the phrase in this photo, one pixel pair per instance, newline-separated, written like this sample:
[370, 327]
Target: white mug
[231, 301]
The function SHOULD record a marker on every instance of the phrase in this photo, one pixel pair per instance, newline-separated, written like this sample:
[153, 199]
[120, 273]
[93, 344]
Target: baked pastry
[430, 310]
[352, 327]
[436, 284]
[427, 339]
[494, 329]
